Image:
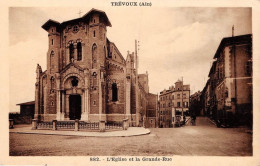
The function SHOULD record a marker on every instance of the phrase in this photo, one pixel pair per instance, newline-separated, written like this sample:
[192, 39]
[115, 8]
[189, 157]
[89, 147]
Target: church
[87, 78]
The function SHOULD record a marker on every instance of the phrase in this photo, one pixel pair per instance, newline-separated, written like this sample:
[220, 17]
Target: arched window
[52, 84]
[114, 92]
[94, 56]
[52, 53]
[74, 82]
[105, 52]
[71, 49]
[79, 51]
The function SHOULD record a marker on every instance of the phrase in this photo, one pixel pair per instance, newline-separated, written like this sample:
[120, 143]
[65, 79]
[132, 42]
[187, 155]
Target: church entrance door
[75, 107]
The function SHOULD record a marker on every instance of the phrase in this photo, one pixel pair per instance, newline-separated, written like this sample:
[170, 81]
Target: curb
[145, 132]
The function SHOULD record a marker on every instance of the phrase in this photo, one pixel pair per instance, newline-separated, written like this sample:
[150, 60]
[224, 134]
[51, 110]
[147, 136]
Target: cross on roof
[79, 13]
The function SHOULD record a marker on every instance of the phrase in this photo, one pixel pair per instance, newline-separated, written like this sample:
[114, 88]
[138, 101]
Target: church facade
[87, 78]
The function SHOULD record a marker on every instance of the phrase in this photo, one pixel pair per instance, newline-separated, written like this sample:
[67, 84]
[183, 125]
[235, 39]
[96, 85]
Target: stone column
[58, 113]
[34, 124]
[84, 114]
[85, 117]
[76, 125]
[62, 105]
[37, 91]
[37, 101]
[102, 126]
[11, 123]
[128, 96]
[125, 124]
[45, 100]
[99, 96]
[67, 109]
[54, 125]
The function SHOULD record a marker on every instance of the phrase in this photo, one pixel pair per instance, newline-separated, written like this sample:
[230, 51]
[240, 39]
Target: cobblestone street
[204, 139]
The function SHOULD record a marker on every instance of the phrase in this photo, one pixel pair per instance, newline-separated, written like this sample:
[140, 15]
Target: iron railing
[114, 125]
[44, 125]
[88, 125]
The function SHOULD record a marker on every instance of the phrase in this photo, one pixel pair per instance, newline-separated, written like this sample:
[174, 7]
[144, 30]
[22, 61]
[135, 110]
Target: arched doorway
[75, 107]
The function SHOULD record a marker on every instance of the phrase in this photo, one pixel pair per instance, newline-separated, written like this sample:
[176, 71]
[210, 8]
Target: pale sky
[174, 42]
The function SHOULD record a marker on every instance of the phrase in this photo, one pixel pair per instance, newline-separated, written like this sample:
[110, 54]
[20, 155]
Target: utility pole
[136, 86]
[182, 96]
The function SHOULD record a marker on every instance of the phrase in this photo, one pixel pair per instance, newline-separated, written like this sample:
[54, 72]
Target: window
[249, 68]
[94, 56]
[52, 53]
[79, 51]
[94, 33]
[52, 84]
[184, 95]
[52, 41]
[114, 92]
[178, 96]
[74, 82]
[178, 104]
[104, 51]
[75, 29]
[71, 51]
[94, 102]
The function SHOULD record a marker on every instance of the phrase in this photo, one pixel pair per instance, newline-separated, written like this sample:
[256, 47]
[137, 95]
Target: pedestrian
[193, 119]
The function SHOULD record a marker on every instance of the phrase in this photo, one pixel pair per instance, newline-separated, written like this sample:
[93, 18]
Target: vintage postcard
[130, 82]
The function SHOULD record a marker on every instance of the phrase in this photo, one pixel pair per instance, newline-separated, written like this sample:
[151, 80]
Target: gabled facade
[230, 81]
[175, 100]
[87, 78]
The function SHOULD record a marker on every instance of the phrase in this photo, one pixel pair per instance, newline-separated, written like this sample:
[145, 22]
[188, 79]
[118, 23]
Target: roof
[27, 103]
[71, 64]
[228, 41]
[98, 11]
[49, 23]
[86, 17]
[212, 68]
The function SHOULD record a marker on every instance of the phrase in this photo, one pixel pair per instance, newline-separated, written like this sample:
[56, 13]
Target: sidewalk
[131, 131]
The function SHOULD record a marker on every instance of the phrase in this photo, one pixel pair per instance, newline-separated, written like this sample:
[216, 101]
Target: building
[195, 104]
[27, 109]
[175, 100]
[26, 113]
[227, 96]
[152, 111]
[87, 78]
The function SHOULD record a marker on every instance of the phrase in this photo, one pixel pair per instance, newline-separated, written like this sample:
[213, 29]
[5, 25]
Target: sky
[174, 42]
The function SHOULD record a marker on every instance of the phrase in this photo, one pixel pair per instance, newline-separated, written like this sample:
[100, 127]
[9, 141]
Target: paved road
[204, 139]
